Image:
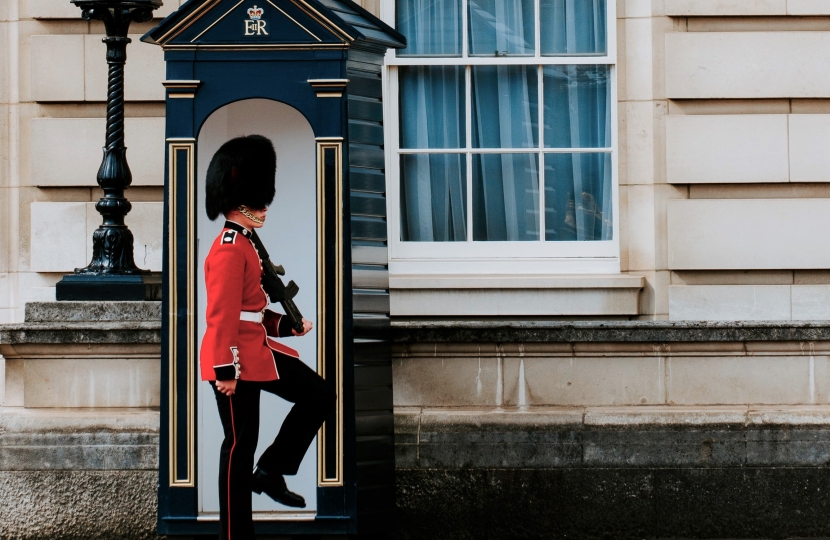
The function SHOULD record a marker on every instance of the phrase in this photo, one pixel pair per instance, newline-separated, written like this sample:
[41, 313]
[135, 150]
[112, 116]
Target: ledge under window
[514, 295]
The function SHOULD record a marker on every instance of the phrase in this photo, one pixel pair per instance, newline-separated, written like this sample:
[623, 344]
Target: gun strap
[260, 247]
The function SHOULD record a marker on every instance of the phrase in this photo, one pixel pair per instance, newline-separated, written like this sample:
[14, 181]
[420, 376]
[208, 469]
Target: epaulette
[229, 237]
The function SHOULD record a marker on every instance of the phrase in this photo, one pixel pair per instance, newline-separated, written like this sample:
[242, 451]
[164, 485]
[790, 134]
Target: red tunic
[233, 275]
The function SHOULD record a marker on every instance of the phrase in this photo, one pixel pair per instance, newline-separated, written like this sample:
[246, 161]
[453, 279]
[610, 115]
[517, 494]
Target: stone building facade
[678, 376]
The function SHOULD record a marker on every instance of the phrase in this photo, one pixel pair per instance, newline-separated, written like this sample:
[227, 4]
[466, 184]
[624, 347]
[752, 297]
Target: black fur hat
[242, 172]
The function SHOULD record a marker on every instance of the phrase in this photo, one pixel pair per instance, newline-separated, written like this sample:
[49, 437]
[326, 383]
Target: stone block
[54, 68]
[635, 8]
[407, 425]
[810, 302]
[739, 380]
[729, 303]
[406, 455]
[143, 73]
[5, 88]
[788, 447]
[810, 415]
[639, 136]
[66, 311]
[509, 302]
[588, 381]
[727, 149]
[664, 448]
[630, 417]
[78, 451]
[718, 65]
[93, 382]
[60, 9]
[74, 146]
[455, 382]
[36, 287]
[742, 234]
[721, 8]
[807, 7]
[538, 452]
[639, 59]
[58, 241]
[642, 248]
[809, 137]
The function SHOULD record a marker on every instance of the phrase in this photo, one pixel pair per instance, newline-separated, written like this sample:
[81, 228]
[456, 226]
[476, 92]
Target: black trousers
[313, 398]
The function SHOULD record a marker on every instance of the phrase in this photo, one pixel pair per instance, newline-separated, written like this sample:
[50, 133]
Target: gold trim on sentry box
[174, 145]
[336, 144]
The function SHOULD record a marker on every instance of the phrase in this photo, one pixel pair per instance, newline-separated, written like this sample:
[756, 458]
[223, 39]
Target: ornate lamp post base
[112, 273]
[109, 287]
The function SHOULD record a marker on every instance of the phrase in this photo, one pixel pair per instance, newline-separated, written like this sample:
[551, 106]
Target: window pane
[505, 106]
[505, 197]
[573, 27]
[577, 106]
[431, 27]
[432, 107]
[578, 197]
[501, 27]
[433, 197]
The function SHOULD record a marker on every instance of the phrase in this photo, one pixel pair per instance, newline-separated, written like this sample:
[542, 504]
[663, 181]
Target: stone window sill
[514, 295]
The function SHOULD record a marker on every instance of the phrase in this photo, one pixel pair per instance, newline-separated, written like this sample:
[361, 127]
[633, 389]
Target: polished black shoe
[274, 486]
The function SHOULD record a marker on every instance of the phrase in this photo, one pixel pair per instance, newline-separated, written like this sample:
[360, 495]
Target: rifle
[276, 290]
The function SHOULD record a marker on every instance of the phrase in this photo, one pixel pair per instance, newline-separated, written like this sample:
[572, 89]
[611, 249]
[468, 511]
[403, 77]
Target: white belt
[251, 316]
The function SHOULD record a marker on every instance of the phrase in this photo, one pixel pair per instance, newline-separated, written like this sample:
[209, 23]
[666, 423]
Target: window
[501, 131]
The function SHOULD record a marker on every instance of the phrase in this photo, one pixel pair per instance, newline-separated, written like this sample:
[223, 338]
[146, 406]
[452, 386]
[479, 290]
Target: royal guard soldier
[239, 355]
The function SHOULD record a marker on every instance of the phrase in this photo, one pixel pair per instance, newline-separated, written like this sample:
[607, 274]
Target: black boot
[274, 486]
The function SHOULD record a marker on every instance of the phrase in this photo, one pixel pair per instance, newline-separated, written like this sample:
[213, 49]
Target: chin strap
[247, 213]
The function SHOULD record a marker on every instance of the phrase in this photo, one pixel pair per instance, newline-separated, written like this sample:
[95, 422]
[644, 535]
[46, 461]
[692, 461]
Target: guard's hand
[307, 326]
[227, 387]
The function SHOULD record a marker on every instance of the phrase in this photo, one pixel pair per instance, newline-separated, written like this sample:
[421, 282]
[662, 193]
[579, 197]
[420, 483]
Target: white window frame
[514, 257]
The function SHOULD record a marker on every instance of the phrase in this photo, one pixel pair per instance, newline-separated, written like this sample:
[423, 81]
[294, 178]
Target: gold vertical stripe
[172, 321]
[173, 420]
[323, 144]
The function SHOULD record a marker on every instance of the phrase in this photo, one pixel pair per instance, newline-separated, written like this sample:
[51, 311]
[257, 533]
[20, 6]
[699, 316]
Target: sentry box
[307, 75]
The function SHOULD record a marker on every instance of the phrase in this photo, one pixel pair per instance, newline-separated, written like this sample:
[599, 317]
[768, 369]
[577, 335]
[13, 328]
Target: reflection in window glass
[432, 107]
[571, 27]
[431, 27]
[505, 106]
[505, 197]
[578, 197]
[577, 106]
[501, 27]
[433, 197]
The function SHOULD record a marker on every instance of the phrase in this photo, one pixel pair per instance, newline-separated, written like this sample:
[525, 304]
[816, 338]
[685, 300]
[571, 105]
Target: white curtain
[431, 27]
[433, 186]
[573, 27]
[578, 185]
[505, 186]
[501, 27]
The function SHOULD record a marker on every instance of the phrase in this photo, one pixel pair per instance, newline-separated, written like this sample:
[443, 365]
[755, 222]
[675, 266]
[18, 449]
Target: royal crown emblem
[255, 13]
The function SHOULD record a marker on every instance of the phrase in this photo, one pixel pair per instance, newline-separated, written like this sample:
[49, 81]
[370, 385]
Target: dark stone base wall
[501, 504]
[75, 505]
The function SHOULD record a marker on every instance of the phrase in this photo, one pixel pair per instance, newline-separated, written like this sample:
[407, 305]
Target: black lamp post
[112, 273]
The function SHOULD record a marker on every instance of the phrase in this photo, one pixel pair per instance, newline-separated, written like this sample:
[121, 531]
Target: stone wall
[611, 430]
[79, 421]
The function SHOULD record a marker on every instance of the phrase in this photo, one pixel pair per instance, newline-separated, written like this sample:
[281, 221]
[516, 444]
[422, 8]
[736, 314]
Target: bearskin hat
[242, 172]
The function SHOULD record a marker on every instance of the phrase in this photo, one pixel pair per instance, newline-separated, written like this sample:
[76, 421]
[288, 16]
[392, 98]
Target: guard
[240, 356]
